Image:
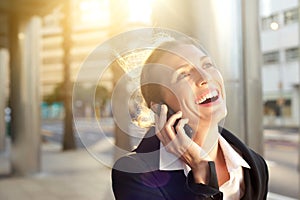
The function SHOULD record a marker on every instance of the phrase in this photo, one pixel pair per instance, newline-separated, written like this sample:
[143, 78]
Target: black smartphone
[187, 129]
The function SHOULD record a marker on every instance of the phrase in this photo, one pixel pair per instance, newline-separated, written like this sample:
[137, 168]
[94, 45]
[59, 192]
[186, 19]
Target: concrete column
[3, 95]
[295, 105]
[299, 97]
[252, 75]
[25, 93]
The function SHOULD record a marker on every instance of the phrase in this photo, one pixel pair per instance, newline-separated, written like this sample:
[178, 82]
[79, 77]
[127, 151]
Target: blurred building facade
[92, 24]
[85, 37]
[280, 62]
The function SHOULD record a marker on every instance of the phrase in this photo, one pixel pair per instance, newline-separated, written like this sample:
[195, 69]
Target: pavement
[281, 151]
[67, 175]
[288, 136]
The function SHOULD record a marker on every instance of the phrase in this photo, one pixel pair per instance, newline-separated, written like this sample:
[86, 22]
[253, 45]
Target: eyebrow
[188, 64]
[204, 58]
[182, 66]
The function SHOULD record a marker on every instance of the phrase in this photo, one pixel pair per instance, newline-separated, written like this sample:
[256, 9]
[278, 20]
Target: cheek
[170, 99]
[220, 81]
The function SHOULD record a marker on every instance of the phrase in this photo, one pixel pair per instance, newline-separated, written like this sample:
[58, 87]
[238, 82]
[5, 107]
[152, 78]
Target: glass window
[292, 54]
[53, 19]
[268, 22]
[291, 16]
[271, 58]
[278, 107]
[140, 11]
[93, 13]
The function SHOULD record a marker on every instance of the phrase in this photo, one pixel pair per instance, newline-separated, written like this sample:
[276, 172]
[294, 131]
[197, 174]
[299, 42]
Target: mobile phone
[187, 129]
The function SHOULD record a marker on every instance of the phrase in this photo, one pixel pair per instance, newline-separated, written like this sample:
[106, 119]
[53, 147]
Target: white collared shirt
[232, 189]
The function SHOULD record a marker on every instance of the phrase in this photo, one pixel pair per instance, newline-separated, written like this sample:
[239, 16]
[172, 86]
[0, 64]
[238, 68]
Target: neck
[210, 144]
[207, 138]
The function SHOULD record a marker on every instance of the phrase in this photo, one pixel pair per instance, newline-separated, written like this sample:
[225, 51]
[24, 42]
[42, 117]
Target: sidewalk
[70, 175]
[291, 135]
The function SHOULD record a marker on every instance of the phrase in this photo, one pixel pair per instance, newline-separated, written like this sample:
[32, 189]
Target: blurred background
[44, 43]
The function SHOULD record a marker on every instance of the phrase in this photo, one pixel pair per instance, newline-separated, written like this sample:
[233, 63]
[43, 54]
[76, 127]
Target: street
[87, 133]
[281, 153]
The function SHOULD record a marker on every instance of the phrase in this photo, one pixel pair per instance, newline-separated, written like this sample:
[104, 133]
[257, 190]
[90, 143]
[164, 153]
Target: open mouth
[208, 98]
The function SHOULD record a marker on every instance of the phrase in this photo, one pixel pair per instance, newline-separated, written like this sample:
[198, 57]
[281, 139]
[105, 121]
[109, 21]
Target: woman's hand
[176, 141]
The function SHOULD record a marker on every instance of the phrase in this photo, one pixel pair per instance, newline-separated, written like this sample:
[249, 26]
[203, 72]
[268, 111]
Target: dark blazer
[137, 175]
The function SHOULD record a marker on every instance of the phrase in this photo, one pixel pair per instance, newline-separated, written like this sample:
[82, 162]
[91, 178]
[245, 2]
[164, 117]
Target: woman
[169, 164]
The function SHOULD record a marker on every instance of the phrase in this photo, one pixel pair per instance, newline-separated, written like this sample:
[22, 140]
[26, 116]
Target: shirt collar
[232, 158]
[168, 161]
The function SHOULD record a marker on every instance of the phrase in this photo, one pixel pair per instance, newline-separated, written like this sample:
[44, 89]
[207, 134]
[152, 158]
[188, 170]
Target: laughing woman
[186, 154]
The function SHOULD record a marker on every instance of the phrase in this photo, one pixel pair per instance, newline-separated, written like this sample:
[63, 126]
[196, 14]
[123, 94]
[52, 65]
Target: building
[280, 62]
[93, 22]
[91, 25]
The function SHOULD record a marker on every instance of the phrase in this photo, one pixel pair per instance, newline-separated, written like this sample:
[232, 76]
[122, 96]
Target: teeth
[207, 96]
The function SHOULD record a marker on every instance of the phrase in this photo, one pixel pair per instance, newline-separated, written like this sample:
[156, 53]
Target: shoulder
[255, 160]
[247, 153]
[134, 177]
[143, 159]
[126, 173]
[258, 172]
[136, 162]
[238, 144]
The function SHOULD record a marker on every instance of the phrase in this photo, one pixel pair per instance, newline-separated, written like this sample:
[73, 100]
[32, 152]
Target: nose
[201, 77]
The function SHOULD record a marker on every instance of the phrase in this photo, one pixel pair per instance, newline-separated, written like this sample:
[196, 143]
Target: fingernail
[186, 120]
[164, 106]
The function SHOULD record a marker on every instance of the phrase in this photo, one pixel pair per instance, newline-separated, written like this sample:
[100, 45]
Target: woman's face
[196, 84]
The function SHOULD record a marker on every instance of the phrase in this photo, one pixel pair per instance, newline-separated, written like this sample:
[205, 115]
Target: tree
[101, 97]
[56, 96]
[68, 138]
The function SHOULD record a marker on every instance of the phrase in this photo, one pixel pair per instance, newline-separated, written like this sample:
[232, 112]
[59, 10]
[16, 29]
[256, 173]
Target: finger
[159, 118]
[201, 152]
[158, 128]
[180, 126]
[163, 114]
[168, 132]
[160, 121]
[182, 139]
[162, 137]
[170, 123]
[174, 117]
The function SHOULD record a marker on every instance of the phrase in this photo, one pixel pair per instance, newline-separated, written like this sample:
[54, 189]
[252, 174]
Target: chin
[218, 117]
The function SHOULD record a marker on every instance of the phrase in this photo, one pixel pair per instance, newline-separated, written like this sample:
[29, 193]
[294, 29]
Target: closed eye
[183, 75]
[182, 72]
[207, 65]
